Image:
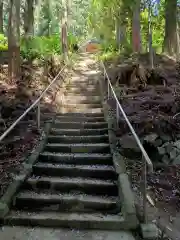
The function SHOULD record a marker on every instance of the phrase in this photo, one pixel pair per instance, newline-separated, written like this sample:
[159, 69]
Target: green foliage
[72, 39]
[105, 16]
[44, 46]
[40, 47]
[108, 55]
[3, 43]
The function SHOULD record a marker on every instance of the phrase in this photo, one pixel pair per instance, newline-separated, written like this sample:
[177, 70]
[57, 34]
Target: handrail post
[144, 189]
[108, 89]
[38, 115]
[117, 114]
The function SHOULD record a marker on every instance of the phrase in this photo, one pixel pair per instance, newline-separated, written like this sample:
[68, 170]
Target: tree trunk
[29, 18]
[1, 16]
[64, 30]
[118, 32]
[170, 38]
[136, 28]
[37, 15]
[178, 43]
[14, 39]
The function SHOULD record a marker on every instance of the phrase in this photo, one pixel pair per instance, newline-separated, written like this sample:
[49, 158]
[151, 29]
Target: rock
[177, 144]
[158, 142]
[177, 160]
[151, 137]
[149, 231]
[169, 147]
[161, 150]
[165, 159]
[166, 138]
[129, 147]
[128, 142]
[173, 154]
[165, 144]
[178, 136]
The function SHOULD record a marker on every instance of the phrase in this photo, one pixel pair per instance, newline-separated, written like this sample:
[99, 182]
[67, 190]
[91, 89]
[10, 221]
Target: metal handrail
[145, 156]
[36, 102]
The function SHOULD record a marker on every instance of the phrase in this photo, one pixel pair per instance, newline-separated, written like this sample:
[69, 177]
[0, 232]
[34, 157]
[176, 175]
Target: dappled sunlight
[88, 166]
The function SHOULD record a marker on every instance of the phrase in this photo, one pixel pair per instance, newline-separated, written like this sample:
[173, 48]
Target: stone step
[77, 100]
[69, 185]
[78, 132]
[83, 99]
[65, 170]
[78, 147]
[84, 106]
[47, 201]
[77, 158]
[83, 92]
[84, 83]
[74, 115]
[78, 139]
[73, 220]
[79, 119]
[83, 88]
[74, 109]
[82, 80]
[80, 125]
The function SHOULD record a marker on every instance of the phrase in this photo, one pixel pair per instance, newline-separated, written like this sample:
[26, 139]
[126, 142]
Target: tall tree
[64, 25]
[170, 38]
[1, 16]
[136, 29]
[37, 11]
[29, 18]
[14, 39]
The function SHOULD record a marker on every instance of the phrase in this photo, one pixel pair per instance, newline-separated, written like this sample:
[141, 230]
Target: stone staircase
[73, 183]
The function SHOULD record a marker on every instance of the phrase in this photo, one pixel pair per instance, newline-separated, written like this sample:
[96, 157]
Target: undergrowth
[39, 47]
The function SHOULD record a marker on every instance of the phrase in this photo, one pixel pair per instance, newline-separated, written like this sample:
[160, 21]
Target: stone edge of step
[124, 187]
[49, 197]
[74, 220]
[75, 155]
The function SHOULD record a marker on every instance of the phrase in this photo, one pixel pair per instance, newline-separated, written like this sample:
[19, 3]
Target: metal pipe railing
[145, 156]
[36, 102]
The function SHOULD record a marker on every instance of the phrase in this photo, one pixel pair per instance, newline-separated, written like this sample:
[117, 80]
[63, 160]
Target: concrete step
[83, 88]
[83, 81]
[47, 201]
[70, 185]
[78, 139]
[78, 147]
[83, 99]
[79, 119]
[65, 170]
[75, 115]
[73, 220]
[88, 82]
[80, 125]
[78, 132]
[82, 92]
[76, 158]
[77, 101]
[84, 106]
[74, 109]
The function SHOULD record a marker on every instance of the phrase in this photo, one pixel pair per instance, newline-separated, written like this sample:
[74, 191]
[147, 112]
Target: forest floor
[151, 100]
[15, 97]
